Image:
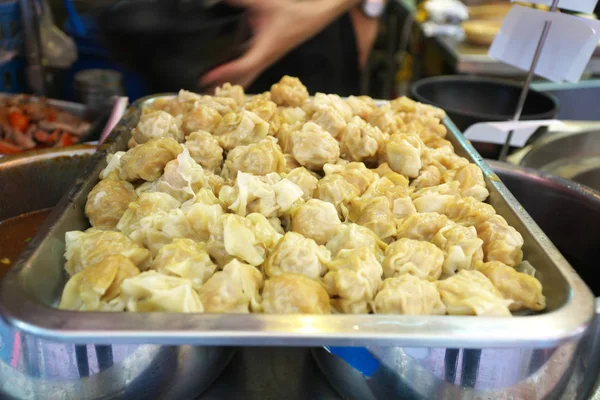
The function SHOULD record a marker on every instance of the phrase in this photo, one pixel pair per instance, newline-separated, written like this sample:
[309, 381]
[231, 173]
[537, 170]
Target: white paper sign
[583, 6]
[570, 43]
[496, 132]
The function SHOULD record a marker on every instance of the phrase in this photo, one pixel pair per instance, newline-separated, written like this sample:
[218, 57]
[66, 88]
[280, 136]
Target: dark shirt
[326, 63]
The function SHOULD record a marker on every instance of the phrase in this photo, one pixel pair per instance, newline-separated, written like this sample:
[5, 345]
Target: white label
[569, 45]
[496, 132]
[584, 6]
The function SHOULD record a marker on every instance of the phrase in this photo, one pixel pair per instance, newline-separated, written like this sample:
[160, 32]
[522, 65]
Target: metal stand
[528, 79]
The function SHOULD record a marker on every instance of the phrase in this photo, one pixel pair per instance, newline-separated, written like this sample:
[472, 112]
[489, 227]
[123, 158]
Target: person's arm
[279, 26]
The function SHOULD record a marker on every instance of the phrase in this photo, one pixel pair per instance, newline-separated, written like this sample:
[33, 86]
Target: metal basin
[569, 214]
[31, 368]
[572, 156]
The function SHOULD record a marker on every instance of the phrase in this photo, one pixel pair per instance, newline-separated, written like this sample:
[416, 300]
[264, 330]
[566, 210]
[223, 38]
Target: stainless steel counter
[271, 373]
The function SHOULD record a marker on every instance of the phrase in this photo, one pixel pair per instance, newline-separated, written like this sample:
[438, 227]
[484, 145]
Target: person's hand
[278, 26]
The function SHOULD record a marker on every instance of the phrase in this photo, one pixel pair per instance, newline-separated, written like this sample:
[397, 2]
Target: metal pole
[528, 79]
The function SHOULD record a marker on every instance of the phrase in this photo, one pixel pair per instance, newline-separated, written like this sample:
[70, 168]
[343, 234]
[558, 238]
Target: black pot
[170, 45]
[470, 99]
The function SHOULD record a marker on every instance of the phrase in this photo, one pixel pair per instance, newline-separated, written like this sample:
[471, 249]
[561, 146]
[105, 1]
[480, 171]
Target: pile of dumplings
[284, 203]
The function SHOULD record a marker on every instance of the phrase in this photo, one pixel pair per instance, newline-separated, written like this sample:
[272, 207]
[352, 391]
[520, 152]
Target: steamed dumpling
[240, 129]
[156, 125]
[421, 226]
[409, 295]
[354, 236]
[501, 242]
[147, 161]
[461, 247]
[472, 293]
[235, 289]
[203, 213]
[414, 257]
[373, 213]
[296, 254]
[470, 178]
[328, 118]
[289, 92]
[294, 294]
[313, 147]
[98, 287]
[355, 173]
[235, 92]
[316, 219]
[258, 159]
[361, 141]
[470, 212]
[185, 258]
[151, 291]
[336, 190]
[362, 106]
[524, 290]
[146, 204]
[403, 152]
[205, 150]
[440, 199]
[200, 118]
[305, 180]
[108, 201]
[353, 280]
[84, 249]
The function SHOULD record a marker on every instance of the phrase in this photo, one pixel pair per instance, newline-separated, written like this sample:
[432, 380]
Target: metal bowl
[31, 368]
[569, 214]
[572, 156]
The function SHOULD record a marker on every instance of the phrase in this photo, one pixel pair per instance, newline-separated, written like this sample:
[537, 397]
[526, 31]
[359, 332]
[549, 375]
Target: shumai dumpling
[289, 92]
[232, 290]
[524, 290]
[245, 238]
[421, 226]
[461, 247]
[429, 176]
[205, 150]
[182, 178]
[108, 201]
[296, 254]
[84, 249]
[113, 162]
[386, 120]
[328, 118]
[156, 125]
[415, 257]
[362, 106]
[147, 161]
[185, 258]
[405, 105]
[384, 171]
[374, 213]
[470, 292]
[247, 190]
[408, 295]
[146, 204]
[203, 213]
[313, 147]
[305, 180]
[354, 236]
[361, 141]
[294, 294]
[440, 199]
[445, 158]
[470, 178]
[151, 291]
[98, 287]
[397, 194]
[403, 152]
[160, 228]
[239, 129]
[355, 173]
[265, 109]
[235, 92]
[501, 242]
[336, 190]
[469, 211]
[316, 219]
[353, 280]
[200, 118]
[257, 158]
[334, 101]
[223, 105]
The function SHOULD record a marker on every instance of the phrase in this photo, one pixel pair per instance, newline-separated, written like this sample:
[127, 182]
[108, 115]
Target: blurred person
[325, 43]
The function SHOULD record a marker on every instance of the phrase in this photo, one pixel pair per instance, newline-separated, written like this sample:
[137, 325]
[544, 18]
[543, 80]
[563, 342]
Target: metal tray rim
[544, 330]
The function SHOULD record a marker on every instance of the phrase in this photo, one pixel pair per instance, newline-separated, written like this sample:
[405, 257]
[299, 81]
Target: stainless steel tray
[33, 286]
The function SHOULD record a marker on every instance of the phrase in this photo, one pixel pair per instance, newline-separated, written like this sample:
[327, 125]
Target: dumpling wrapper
[294, 294]
[409, 295]
[296, 254]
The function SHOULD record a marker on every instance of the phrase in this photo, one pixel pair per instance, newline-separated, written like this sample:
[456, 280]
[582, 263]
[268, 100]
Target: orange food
[8, 148]
[18, 120]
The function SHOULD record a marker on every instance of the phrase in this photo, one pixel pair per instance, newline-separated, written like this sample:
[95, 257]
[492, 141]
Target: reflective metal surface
[570, 214]
[572, 156]
[31, 368]
[34, 284]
